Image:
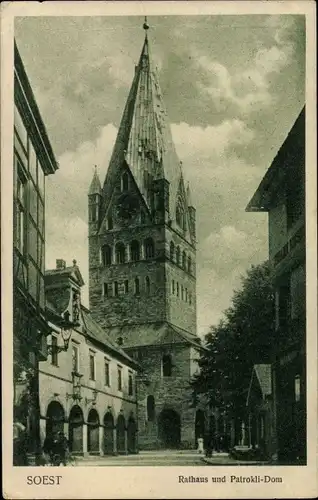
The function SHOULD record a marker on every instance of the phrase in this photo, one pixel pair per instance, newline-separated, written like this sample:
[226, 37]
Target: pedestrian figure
[50, 448]
[19, 444]
[200, 445]
[62, 448]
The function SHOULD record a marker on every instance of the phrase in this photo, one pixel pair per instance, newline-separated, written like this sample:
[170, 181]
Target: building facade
[33, 161]
[88, 383]
[282, 194]
[142, 262]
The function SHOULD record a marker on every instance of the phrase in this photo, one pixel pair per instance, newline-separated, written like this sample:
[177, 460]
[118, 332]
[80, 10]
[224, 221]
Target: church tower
[142, 261]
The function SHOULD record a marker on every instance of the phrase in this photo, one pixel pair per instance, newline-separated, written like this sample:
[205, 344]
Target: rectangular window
[20, 128]
[126, 286]
[173, 287]
[107, 373]
[33, 202]
[182, 292]
[33, 280]
[54, 355]
[119, 379]
[91, 365]
[105, 290]
[41, 180]
[75, 358]
[32, 162]
[40, 216]
[115, 289]
[33, 241]
[177, 289]
[130, 384]
[20, 209]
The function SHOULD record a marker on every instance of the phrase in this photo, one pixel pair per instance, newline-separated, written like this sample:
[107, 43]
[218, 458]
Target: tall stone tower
[142, 262]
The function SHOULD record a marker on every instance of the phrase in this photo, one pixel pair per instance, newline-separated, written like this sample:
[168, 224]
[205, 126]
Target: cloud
[211, 139]
[249, 88]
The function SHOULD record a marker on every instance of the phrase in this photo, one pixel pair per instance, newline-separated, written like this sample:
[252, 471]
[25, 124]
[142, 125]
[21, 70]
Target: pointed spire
[144, 140]
[95, 187]
[189, 198]
[145, 26]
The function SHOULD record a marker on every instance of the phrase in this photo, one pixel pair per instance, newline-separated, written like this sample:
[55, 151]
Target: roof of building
[263, 375]
[96, 332]
[26, 103]
[275, 175]
[71, 272]
[154, 334]
[95, 187]
[144, 139]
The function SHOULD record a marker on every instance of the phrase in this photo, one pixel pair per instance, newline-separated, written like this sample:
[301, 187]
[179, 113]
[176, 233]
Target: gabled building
[261, 426]
[33, 160]
[282, 194]
[142, 261]
[88, 383]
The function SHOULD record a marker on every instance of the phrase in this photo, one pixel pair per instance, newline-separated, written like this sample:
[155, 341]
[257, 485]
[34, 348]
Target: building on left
[33, 160]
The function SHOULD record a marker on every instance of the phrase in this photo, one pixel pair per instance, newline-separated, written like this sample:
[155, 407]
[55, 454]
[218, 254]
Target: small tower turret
[94, 203]
[192, 213]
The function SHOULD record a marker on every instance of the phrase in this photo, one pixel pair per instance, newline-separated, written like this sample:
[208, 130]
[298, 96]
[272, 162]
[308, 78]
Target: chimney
[60, 264]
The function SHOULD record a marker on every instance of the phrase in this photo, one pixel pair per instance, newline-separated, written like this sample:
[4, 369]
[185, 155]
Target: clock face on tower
[127, 207]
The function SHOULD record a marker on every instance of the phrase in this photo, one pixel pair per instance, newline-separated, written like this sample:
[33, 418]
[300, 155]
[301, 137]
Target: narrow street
[156, 458]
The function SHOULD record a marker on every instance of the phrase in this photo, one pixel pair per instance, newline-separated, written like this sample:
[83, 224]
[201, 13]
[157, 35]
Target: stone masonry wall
[169, 393]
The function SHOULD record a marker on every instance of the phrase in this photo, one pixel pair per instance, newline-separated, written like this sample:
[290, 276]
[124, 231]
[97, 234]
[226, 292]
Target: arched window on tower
[147, 285]
[149, 248]
[150, 408]
[134, 251]
[178, 256]
[120, 253]
[184, 259]
[180, 215]
[172, 249]
[125, 182]
[189, 264]
[166, 365]
[137, 286]
[106, 255]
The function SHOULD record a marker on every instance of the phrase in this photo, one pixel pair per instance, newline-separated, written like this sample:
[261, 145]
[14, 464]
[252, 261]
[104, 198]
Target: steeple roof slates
[144, 139]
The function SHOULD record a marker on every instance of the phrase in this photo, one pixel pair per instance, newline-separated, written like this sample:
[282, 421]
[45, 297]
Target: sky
[233, 87]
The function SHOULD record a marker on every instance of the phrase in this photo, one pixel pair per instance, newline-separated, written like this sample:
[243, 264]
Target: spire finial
[145, 26]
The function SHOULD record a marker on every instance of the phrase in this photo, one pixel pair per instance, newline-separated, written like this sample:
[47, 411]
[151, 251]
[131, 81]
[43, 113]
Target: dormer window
[180, 216]
[134, 250]
[120, 253]
[149, 248]
[110, 224]
[172, 251]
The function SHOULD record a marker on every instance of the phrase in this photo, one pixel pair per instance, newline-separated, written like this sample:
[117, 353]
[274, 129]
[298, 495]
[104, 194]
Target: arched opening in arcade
[108, 434]
[76, 422]
[132, 435]
[199, 430]
[93, 432]
[169, 429]
[120, 431]
[55, 418]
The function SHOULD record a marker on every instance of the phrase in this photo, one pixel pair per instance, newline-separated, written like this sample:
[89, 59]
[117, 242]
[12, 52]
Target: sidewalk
[224, 459]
